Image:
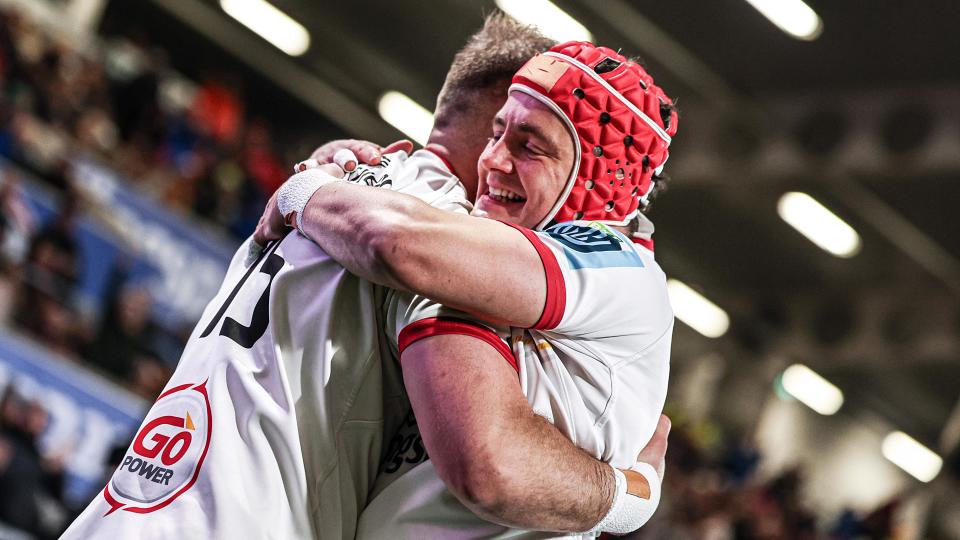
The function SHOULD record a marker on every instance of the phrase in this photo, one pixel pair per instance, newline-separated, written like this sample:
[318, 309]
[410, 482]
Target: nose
[496, 157]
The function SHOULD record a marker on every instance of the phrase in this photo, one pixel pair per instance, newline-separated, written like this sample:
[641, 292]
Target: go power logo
[165, 458]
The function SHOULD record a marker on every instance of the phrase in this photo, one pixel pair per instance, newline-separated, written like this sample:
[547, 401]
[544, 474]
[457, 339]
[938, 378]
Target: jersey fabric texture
[272, 424]
[595, 364]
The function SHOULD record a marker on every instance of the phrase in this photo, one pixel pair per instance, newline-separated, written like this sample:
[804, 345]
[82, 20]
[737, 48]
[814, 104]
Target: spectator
[259, 159]
[125, 345]
[16, 227]
[26, 478]
[44, 307]
[218, 110]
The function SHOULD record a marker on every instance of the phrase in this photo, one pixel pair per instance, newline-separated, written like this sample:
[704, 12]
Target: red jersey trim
[556, 302]
[645, 242]
[439, 326]
[445, 162]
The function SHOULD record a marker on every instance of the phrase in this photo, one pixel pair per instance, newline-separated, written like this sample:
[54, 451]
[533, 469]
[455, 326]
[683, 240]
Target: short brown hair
[490, 57]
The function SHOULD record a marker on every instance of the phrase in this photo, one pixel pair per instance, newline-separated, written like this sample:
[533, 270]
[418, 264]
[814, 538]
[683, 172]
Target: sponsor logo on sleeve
[585, 239]
[593, 247]
[166, 455]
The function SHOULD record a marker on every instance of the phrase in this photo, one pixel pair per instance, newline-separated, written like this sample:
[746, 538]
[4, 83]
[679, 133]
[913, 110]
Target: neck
[452, 149]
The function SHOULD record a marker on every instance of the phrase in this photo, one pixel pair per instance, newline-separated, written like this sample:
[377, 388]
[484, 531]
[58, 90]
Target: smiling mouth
[504, 195]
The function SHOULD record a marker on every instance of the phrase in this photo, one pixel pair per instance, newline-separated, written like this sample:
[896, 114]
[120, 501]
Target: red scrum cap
[621, 123]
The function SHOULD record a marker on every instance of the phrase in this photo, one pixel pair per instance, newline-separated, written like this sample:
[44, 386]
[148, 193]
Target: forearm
[554, 485]
[476, 265]
[505, 463]
[359, 226]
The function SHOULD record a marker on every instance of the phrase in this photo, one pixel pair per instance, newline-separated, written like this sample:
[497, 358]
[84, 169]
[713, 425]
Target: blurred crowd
[39, 274]
[713, 491]
[190, 146]
[193, 147]
[31, 481]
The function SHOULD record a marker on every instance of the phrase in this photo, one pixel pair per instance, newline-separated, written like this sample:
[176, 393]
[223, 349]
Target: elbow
[486, 486]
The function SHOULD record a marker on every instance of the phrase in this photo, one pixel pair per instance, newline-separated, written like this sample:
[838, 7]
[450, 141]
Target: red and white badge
[166, 455]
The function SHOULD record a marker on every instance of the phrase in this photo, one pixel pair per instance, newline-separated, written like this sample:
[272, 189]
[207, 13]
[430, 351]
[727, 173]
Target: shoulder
[596, 280]
[592, 245]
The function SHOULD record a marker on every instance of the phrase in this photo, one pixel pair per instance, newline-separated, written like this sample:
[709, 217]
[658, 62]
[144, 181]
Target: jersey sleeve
[599, 285]
[411, 318]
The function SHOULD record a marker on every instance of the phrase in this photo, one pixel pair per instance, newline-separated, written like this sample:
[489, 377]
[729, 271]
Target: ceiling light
[270, 23]
[818, 224]
[696, 311]
[908, 454]
[792, 16]
[552, 21]
[811, 389]
[406, 115]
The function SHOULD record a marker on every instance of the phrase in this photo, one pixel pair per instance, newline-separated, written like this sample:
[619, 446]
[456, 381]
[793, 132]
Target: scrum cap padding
[621, 122]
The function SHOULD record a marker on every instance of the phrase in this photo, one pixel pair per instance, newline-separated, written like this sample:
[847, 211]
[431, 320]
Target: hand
[366, 152]
[653, 454]
[272, 225]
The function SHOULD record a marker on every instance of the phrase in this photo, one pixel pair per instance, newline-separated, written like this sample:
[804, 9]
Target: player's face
[526, 163]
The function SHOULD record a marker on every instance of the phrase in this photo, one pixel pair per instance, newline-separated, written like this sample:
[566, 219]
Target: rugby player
[272, 425]
[576, 152]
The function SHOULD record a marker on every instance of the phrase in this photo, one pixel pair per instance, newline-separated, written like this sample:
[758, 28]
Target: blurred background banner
[180, 262]
[88, 416]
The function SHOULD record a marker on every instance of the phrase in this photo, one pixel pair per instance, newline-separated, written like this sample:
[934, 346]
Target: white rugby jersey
[595, 364]
[271, 426]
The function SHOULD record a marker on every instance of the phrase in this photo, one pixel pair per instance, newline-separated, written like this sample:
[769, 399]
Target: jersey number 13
[246, 336]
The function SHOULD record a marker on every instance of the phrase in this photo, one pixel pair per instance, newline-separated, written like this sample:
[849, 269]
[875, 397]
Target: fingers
[270, 227]
[396, 146]
[664, 425]
[332, 169]
[659, 439]
[253, 251]
[654, 453]
[266, 231]
[311, 163]
[345, 159]
[365, 151]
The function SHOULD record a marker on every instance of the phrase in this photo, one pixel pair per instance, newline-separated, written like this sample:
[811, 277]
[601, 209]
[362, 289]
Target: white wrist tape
[296, 192]
[629, 512]
[345, 159]
[305, 164]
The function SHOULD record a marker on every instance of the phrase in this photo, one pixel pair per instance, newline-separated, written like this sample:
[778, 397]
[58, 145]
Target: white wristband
[296, 192]
[629, 512]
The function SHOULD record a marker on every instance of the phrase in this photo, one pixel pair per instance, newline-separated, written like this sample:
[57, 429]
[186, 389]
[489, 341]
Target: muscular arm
[501, 460]
[401, 242]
